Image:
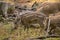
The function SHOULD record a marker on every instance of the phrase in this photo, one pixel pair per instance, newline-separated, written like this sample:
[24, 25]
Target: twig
[50, 36]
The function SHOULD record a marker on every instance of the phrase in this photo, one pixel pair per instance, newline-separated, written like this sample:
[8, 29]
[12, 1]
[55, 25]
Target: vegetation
[20, 34]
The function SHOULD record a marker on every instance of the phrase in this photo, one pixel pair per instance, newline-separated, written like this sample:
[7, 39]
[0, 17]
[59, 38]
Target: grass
[20, 33]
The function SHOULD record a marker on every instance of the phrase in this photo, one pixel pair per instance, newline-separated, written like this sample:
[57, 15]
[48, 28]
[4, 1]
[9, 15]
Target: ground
[6, 32]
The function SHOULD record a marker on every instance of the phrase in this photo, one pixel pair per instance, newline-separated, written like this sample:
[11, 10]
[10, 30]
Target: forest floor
[6, 33]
